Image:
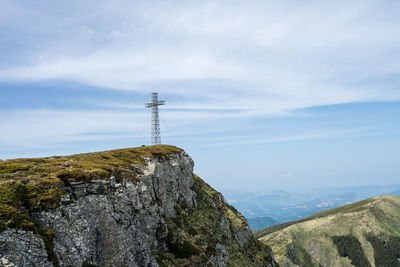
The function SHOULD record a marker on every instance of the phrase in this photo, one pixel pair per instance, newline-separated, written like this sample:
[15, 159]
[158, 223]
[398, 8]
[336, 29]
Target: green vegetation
[89, 166]
[361, 234]
[193, 234]
[9, 167]
[349, 246]
[17, 199]
[184, 250]
[298, 255]
[353, 207]
[48, 236]
[386, 250]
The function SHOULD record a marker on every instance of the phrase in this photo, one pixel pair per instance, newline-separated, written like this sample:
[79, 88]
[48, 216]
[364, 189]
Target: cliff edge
[129, 207]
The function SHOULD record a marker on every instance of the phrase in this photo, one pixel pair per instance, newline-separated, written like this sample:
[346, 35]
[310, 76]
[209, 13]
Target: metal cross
[155, 120]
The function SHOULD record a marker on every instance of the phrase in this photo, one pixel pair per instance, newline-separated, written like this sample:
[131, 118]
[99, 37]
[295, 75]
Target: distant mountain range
[365, 233]
[284, 206]
[261, 222]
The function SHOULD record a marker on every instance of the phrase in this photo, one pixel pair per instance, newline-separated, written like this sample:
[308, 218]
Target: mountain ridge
[351, 235]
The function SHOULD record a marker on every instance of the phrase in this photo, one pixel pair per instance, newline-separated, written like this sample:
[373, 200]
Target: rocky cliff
[130, 207]
[365, 233]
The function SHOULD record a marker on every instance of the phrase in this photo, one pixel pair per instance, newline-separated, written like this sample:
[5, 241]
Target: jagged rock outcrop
[152, 211]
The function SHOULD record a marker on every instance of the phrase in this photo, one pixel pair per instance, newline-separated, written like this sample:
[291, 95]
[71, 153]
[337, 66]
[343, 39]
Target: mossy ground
[194, 233]
[28, 185]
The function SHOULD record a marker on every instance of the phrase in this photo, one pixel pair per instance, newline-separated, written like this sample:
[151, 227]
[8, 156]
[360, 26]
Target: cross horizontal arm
[153, 104]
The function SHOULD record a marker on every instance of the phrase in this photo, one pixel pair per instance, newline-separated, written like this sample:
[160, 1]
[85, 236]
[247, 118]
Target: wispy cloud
[306, 135]
[221, 63]
[264, 56]
[45, 128]
[35, 129]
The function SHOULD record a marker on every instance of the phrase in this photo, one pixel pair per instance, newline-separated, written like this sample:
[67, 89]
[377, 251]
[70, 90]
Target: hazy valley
[266, 209]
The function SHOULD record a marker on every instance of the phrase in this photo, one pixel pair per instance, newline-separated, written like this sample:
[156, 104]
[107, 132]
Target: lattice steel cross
[155, 120]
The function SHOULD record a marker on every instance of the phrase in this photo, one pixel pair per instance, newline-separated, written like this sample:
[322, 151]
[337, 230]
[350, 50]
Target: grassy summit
[34, 184]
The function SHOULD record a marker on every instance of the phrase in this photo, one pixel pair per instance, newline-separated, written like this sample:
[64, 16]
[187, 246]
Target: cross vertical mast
[155, 118]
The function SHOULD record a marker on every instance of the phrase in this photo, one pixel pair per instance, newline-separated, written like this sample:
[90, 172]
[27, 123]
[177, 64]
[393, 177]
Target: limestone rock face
[155, 220]
[117, 224]
[22, 248]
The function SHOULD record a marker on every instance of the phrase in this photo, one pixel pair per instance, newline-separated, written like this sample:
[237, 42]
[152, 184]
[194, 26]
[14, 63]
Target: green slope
[365, 233]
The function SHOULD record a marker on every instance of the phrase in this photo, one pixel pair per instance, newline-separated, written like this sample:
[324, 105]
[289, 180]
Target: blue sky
[264, 95]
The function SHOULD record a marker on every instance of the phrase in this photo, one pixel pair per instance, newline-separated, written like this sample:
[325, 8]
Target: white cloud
[36, 129]
[33, 129]
[42, 128]
[306, 135]
[226, 59]
[270, 57]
